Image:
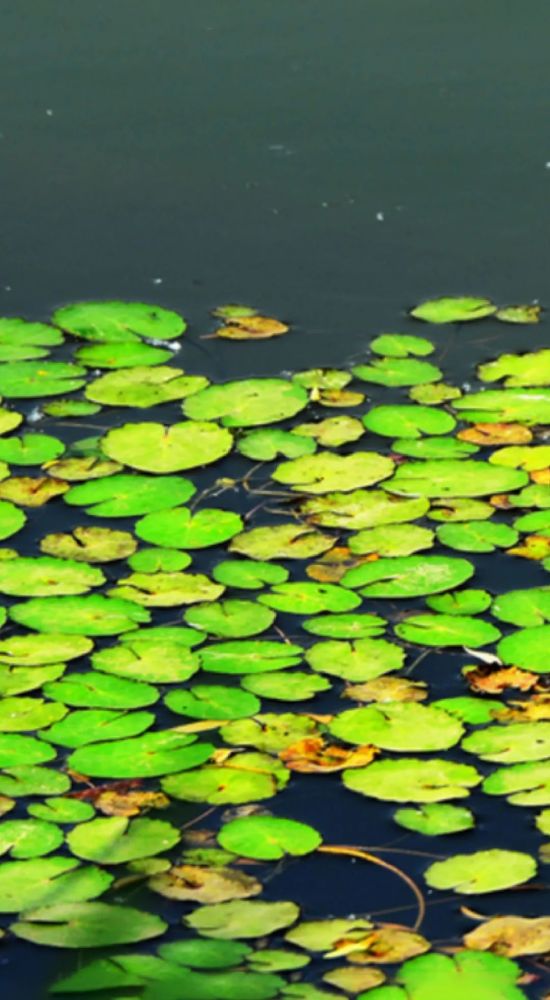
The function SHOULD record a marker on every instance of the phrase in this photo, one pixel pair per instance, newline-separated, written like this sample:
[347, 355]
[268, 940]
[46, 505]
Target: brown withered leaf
[541, 476]
[501, 501]
[535, 547]
[387, 689]
[92, 793]
[204, 885]
[113, 803]
[489, 680]
[315, 756]
[252, 328]
[495, 434]
[519, 314]
[27, 491]
[332, 565]
[511, 936]
[537, 709]
[385, 944]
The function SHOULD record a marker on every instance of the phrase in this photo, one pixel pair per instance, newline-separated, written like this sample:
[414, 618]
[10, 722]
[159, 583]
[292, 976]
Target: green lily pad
[16, 750]
[269, 732]
[309, 598]
[398, 372]
[20, 782]
[30, 449]
[410, 576]
[282, 541]
[160, 663]
[527, 608]
[92, 615]
[9, 419]
[331, 432]
[252, 656]
[322, 378]
[118, 322]
[475, 711]
[245, 574]
[537, 521]
[35, 650]
[96, 725]
[518, 369]
[202, 953]
[242, 918]
[47, 576]
[477, 536]
[483, 871]
[517, 743]
[87, 925]
[268, 838]
[183, 530]
[447, 630]
[504, 406]
[460, 602]
[325, 472]
[143, 387]
[159, 560]
[121, 355]
[95, 690]
[11, 519]
[358, 660]
[47, 881]
[454, 478]
[127, 495]
[478, 975]
[530, 457]
[410, 780]
[362, 509]
[247, 777]
[266, 445]
[64, 408]
[230, 619]
[460, 309]
[408, 420]
[148, 756]
[26, 714]
[29, 838]
[247, 403]
[322, 935]
[20, 680]
[523, 784]
[391, 540]
[32, 379]
[60, 810]
[154, 448]
[15, 331]
[434, 393]
[277, 960]
[434, 447]
[435, 819]
[90, 545]
[400, 345]
[213, 701]
[526, 648]
[293, 686]
[166, 590]
[401, 726]
[460, 509]
[342, 626]
[115, 840]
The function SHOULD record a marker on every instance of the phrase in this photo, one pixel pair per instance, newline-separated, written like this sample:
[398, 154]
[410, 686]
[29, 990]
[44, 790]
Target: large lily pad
[398, 372]
[503, 406]
[483, 871]
[523, 784]
[527, 648]
[48, 881]
[410, 780]
[90, 545]
[142, 387]
[518, 369]
[358, 660]
[115, 840]
[154, 448]
[454, 478]
[527, 608]
[268, 838]
[325, 471]
[118, 322]
[281, 541]
[47, 576]
[231, 619]
[242, 918]
[447, 630]
[94, 690]
[523, 741]
[160, 663]
[460, 309]
[87, 925]
[362, 509]
[246, 777]
[91, 615]
[401, 726]
[248, 403]
[31, 379]
[146, 756]
[477, 975]
[183, 530]
[409, 576]
[408, 420]
[126, 495]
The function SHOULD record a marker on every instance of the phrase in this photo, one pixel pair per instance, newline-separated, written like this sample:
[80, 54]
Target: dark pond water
[330, 163]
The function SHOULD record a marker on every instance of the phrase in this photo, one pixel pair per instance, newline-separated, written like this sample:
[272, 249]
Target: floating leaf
[483, 976]
[410, 576]
[281, 541]
[268, 838]
[19, 680]
[159, 560]
[528, 608]
[11, 519]
[523, 784]
[460, 602]
[80, 728]
[435, 819]
[526, 649]
[434, 447]
[408, 421]
[29, 838]
[490, 434]
[269, 732]
[162, 663]
[483, 871]
[358, 660]
[242, 919]
[245, 777]
[251, 656]
[166, 590]
[231, 618]
[434, 393]
[26, 780]
[308, 598]
[398, 372]
[454, 478]
[246, 574]
[524, 741]
[362, 509]
[142, 387]
[31, 379]
[266, 445]
[331, 432]
[30, 449]
[154, 448]
[385, 689]
[400, 345]
[60, 810]
[87, 925]
[323, 935]
[518, 369]
[453, 310]
[391, 540]
[211, 701]
[204, 885]
[182, 529]
[116, 839]
[325, 472]
[121, 355]
[148, 756]
[204, 953]
[497, 406]
[343, 626]
[16, 750]
[287, 686]
[48, 881]
[447, 630]
[118, 322]
[459, 509]
[409, 780]
[247, 403]
[92, 615]
[315, 756]
[25, 714]
[90, 545]
[127, 495]
[47, 576]
[403, 726]
[511, 936]
[95, 690]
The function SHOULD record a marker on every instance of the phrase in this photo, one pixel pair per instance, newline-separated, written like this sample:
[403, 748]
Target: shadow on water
[329, 165]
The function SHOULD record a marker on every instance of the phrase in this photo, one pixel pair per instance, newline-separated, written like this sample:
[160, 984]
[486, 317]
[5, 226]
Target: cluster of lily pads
[197, 652]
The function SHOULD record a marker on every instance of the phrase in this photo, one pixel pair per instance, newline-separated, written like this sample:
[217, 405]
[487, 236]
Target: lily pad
[148, 756]
[47, 576]
[143, 387]
[343, 626]
[400, 726]
[391, 540]
[281, 541]
[482, 976]
[60, 810]
[409, 576]
[522, 741]
[400, 345]
[95, 690]
[408, 420]
[87, 925]
[454, 478]
[35, 650]
[527, 649]
[245, 574]
[460, 602]
[435, 819]
[242, 918]
[523, 784]
[247, 403]
[47, 881]
[160, 663]
[212, 701]
[166, 590]
[118, 322]
[251, 656]
[434, 447]
[308, 598]
[325, 472]
[29, 838]
[398, 372]
[30, 449]
[410, 780]
[32, 379]
[269, 732]
[358, 660]
[92, 615]
[127, 495]
[460, 309]
[90, 545]
[246, 777]
[362, 509]
[115, 840]
[230, 619]
[121, 355]
[183, 530]
[332, 432]
[527, 608]
[288, 686]
[96, 725]
[447, 630]
[265, 445]
[477, 536]
[268, 838]
[518, 369]
[154, 448]
[159, 560]
[26, 714]
[527, 406]
[483, 871]
[11, 519]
